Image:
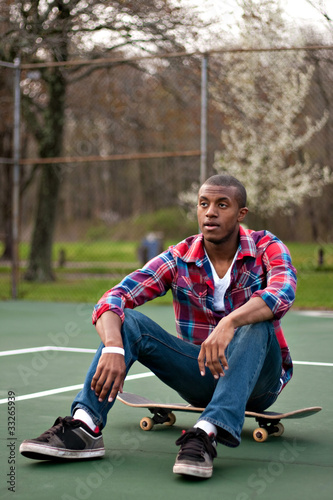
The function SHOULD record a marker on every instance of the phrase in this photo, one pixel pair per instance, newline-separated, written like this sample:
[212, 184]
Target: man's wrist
[229, 321]
[113, 350]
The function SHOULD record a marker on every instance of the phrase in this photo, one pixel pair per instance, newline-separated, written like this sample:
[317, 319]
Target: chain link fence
[124, 138]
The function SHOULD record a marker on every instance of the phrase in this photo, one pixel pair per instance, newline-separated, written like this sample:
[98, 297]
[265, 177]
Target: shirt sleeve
[279, 293]
[145, 284]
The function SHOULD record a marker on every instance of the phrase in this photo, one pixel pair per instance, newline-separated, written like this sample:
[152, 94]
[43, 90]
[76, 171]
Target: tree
[56, 31]
[268, 131]
[131, 110]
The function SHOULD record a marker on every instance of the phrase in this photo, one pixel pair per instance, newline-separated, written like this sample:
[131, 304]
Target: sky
[299, 13]
[302, 11]
[298, 10]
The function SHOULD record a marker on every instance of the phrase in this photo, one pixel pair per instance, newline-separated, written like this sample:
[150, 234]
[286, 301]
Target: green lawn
[304, 255]
[93, 268]
[314, 290]
[91, 251]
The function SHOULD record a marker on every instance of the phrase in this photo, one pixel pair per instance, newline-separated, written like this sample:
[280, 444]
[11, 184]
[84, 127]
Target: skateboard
[269, 421]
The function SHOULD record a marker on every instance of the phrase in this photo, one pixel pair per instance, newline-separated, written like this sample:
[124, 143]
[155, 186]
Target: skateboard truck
[160, 416]
[267, 428]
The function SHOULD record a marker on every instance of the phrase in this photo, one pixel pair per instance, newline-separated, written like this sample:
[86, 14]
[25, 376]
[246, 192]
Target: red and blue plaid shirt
[262, 268]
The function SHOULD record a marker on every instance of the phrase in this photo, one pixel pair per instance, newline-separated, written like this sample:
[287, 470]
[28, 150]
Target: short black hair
[229, 181]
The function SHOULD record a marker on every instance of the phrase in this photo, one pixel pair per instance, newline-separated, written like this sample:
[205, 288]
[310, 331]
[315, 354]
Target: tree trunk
[40, 260]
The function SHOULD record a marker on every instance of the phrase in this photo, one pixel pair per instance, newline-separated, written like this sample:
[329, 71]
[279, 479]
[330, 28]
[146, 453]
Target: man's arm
[111, 367]
[271, 302]
[212, 353]
[138, 287]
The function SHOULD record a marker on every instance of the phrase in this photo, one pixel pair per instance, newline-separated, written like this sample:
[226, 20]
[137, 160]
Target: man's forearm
[253, 311]
[108, 327]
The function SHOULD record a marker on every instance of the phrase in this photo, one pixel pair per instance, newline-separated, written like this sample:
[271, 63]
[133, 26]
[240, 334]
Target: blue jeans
[252, 381]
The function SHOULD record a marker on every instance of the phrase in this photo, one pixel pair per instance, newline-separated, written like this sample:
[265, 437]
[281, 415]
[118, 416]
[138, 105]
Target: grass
[315, 290]
[305, 256]
[64, 290]
[94, 267]
[91, 251]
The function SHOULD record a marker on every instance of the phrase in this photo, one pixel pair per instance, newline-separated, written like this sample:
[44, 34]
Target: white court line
[92, 351]
[311, 363]
[129, 377]
[46, 348]
[69, 388]
[79, 386]
[316, 314]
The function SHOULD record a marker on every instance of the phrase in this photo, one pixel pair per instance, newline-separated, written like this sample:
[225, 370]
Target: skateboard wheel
[146, 424]
[172, 419]
[280, 429]
[260, 435]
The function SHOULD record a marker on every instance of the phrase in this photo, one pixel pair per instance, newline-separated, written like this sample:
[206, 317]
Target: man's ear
[242, 214]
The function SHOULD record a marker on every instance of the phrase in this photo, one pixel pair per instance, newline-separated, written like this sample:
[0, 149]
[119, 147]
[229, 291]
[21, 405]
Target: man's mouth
[212, 225]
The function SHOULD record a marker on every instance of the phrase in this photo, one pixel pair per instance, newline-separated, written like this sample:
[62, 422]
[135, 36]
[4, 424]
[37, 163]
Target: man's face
[218, 213]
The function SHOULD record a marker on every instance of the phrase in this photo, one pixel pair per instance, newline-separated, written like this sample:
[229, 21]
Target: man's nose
[211, 211]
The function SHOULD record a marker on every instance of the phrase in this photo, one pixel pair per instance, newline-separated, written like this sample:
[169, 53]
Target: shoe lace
[59, 426]
[195, 443]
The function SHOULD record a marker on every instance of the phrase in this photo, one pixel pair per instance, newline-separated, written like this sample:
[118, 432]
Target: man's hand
[212, 353]
[214, 347]
[111, 369]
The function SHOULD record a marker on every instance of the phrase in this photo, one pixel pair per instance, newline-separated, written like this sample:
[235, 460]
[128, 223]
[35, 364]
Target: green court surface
[138, 464]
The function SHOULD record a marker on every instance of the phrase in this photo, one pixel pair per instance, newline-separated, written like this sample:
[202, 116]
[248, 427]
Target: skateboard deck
[162, 413]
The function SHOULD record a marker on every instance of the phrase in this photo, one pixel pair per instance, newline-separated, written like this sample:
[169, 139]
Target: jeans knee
[135, 324]
[263, 330]
[131, 321]
[130, 313]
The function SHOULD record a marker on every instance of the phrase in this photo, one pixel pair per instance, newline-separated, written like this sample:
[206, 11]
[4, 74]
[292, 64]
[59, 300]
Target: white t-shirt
[220, 285]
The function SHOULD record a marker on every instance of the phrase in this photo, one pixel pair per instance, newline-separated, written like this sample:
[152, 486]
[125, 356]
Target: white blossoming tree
[267, 129]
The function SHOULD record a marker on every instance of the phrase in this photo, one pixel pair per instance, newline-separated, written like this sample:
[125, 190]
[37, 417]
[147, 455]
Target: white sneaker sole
[40, 452]
[193, 470]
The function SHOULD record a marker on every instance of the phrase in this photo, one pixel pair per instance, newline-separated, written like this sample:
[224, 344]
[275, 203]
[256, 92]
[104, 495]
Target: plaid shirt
[262, 269]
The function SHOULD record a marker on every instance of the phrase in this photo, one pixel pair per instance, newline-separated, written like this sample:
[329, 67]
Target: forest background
[111, 133]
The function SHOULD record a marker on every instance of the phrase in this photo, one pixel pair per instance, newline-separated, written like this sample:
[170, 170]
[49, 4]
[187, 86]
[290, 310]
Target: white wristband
[113, 350]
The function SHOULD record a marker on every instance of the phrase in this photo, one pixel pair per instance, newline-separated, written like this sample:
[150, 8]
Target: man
[230, 288]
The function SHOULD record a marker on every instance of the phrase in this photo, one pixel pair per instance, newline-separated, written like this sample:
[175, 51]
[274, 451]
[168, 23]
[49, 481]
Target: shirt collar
[247, 246]
[196, 251]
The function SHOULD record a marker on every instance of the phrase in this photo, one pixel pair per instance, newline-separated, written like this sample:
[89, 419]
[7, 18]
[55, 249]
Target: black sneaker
[68, 438]
[196, 454]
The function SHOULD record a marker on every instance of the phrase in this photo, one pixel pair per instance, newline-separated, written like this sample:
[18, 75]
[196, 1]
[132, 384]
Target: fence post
[16, 178]
[204, 108]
